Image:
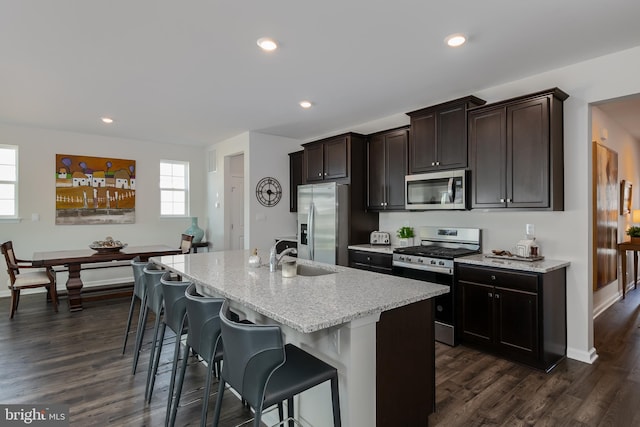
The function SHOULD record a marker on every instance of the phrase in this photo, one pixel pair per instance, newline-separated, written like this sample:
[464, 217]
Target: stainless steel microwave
[437, 190]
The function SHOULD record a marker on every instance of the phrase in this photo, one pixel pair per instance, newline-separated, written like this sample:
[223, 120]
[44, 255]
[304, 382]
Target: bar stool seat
[264, 371]
[139, 292]
[203, 335]
[174, 317]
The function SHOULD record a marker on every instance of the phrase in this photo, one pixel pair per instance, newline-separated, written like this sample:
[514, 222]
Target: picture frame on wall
[625, 197]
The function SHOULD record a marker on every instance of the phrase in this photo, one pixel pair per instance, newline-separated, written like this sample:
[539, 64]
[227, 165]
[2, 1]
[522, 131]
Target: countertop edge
[542, 266]
[382, 249]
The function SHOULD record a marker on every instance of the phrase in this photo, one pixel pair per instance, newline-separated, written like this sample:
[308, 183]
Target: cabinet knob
[381, 204]
[437, 163]
[490, 295]
[493, 277]
[385, 203]
[497, 296]
[508, 200]
[319, 173]
[433, 163]
[368, 258]
[501, 200]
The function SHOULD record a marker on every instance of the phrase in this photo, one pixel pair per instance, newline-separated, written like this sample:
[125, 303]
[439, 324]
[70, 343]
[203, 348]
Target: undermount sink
[309, 270]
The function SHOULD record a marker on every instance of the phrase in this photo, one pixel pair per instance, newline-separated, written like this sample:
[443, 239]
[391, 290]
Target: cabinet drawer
[371, 258]
[496, 277]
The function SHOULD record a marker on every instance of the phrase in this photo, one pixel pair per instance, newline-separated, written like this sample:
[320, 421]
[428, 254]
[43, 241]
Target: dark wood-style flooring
[75, 359]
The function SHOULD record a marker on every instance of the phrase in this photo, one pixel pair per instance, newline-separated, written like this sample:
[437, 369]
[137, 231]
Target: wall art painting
[95, 190]
[625, 197]
[605, 216]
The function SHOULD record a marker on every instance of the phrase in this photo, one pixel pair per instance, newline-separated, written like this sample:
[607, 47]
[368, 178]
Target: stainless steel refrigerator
[323, 223]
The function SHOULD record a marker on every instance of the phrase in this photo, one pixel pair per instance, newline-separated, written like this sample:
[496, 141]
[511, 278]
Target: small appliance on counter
[380, 238]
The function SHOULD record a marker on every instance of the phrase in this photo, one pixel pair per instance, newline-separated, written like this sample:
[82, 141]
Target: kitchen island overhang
[355, 320]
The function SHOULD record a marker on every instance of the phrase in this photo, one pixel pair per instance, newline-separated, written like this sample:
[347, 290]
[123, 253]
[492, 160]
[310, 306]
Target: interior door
[237, 212]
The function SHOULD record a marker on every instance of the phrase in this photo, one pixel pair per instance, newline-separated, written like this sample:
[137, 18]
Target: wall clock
[268, 191]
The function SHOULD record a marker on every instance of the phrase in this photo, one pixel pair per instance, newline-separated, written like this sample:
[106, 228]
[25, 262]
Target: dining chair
[30, 277]
[202, 337]
[265, 372]
[174, 316]
[139, 292]
[185, 243]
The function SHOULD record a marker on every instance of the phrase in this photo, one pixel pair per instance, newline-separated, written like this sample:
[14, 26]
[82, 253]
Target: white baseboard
[582, 356]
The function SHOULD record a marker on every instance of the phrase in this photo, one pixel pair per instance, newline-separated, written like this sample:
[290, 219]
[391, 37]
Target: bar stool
[174, 316]
[266, 372]
[202, 337]
[153, 303]
[139, 291]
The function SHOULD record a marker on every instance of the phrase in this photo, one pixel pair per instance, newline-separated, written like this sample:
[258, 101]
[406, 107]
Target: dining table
[78, 259]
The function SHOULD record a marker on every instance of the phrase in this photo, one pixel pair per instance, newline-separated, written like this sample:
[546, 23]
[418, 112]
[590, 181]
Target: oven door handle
[434, 268]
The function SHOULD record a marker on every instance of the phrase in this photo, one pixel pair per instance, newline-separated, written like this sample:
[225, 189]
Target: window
[174, 188]
[8, 181]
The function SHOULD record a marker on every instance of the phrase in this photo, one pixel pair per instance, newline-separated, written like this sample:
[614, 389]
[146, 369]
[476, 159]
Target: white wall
[269, 157]
[563, 235]
[628, 149]
[37, 149]
[215, 185]
[264, 155]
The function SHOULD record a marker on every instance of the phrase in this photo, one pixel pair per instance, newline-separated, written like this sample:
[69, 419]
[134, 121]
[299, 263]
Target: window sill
[9, 220]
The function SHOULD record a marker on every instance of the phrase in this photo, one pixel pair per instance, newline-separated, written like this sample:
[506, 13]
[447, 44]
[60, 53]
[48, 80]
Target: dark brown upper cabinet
[296, 177]
[516, 153]
[342, 158]
[327, 159]
[438, 136]
[387, 166]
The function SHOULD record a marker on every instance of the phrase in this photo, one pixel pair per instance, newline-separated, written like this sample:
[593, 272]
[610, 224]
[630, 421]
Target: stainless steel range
[432, 261]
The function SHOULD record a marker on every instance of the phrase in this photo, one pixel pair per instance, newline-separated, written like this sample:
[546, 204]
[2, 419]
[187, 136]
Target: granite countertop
[542, 266]
[305, 303]
[383, 249]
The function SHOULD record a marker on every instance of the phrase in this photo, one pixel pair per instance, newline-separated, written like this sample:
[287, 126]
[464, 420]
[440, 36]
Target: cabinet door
[377, 172]
[528, 154]
[422, 151]
[487, 142]
[396, 168]
[517, 324]
[296, 166]
[336, 158]
[451, 141]
[476, 312]
[313, 162]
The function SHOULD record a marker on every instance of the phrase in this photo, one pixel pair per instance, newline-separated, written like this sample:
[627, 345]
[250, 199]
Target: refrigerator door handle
[311, 231]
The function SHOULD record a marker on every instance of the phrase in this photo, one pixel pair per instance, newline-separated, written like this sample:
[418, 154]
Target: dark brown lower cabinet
[405, 365]
[515, 314]
[371, 261]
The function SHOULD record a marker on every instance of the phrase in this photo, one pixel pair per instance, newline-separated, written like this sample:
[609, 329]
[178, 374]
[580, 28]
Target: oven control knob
[409, 259]
[441, 263]
[420, 260]
[433, 262]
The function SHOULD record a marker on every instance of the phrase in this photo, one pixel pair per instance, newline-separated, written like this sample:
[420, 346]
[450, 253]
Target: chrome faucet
[275, 259]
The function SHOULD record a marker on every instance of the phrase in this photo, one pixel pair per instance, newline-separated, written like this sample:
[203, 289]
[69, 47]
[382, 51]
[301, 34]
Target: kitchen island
[376, 329]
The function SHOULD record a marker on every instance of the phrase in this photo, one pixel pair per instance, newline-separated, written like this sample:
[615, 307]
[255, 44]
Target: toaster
[380, 238]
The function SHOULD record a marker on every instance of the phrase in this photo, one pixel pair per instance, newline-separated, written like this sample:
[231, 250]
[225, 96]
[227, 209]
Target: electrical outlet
[530, 230]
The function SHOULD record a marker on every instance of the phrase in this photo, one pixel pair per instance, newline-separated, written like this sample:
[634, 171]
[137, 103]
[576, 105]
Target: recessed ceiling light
[107, 120]
[455, 40]
[267, 44]
[305, 104]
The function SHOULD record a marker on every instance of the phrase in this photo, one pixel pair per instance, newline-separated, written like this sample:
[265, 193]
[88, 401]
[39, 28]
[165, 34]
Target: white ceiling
[189, 72]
